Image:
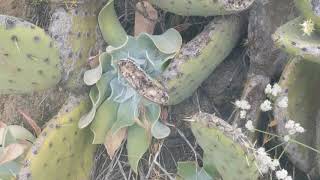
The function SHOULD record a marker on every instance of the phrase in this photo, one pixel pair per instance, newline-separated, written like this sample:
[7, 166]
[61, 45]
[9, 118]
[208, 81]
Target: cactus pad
[29, 61]
[301, 81]
[203, 7]
[199, 57]
[74, 30]
[310, 9]
[225, 149]
[62, 151]
[290, 38]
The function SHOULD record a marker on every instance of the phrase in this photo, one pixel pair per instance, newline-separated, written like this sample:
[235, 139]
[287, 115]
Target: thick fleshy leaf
[105, 117]
[21, 133]
[159, 130]
[154, 49]
[92, 76]
[138, 142]
[114, 141]
[11, 152]
[97, 95]
[190, 171]
[152, 115]
[127, 113]
[110, 27]
[9, 170]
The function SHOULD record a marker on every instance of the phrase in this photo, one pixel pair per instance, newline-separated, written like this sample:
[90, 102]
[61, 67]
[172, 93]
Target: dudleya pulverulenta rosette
[115, 104]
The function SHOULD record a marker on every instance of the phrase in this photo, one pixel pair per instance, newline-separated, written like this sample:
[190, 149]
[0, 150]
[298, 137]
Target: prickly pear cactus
[301, 80]
[199, 57]
[62, 151]
[204, 7]
[74, 31]
[226, 150]
[291, 38]
[310, 9]
[29, 60]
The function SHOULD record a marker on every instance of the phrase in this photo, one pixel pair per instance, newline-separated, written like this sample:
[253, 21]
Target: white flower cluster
[243, 105]
[266, 106]
[266, 163]
[294, 127]
[282, 174]
[249, 126]
[274, 91]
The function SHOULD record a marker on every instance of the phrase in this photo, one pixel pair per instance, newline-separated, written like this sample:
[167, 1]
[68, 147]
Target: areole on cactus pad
[29, 60]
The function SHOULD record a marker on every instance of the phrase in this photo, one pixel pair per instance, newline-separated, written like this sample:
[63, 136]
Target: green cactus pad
[301, 82]
[74, 30]
[62, 151]
[203, 7]
[310, 9]
[29, 61]
[225, 148]
[290, 38]
[199, 57]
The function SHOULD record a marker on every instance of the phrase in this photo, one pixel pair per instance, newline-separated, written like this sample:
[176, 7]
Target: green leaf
[190, 171]
[126, 115]
[111, 29]
[137, 144]
[97, 95]
[9, 170]
[105, 117]
[19, 132]
[93, 75]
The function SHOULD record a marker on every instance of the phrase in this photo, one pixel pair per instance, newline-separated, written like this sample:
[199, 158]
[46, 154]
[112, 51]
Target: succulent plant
[115, 104]
[204, 7]
[61, 151]
[28, 57]
[301, 80]
[291, 38]
[15, 141]
[227, 151]
[310, 9]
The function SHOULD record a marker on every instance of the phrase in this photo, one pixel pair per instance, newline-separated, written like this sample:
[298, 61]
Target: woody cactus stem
[198, 58]
[310, 9]
[204, 7]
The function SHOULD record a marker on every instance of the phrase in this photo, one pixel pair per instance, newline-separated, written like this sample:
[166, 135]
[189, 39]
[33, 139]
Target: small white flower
[294, 127]
[300, 129]
[289, 124]
[276, 89]
[282, 174]
[243, 104]
[274, 164]
[266, 106]
[261, 151]
[249, 126]
[243, 114]
[288, 178]
[283, 103]
[268, 89]
[273, 90]
[286, 138]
